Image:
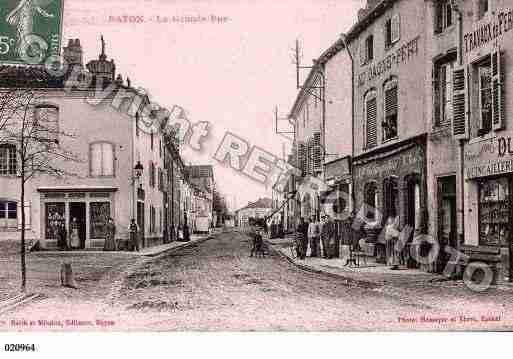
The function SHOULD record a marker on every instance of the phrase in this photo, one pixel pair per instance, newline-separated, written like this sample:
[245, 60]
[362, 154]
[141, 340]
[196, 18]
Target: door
[77, 211]
[140, 221]
[447, 230]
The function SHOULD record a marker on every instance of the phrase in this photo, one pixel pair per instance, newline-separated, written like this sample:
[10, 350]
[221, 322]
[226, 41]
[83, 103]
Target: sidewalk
[368, 275]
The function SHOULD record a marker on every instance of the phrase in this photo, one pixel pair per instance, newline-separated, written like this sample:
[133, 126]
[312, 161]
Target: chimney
[361, 14]
[73, 53]
[371, 4]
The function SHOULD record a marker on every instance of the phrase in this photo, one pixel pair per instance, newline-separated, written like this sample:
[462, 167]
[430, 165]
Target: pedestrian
[302, 238]
[134, 240]
[110, 236]
[60, 230]
[257, 243]
[326, 232]
[313, 237]
[391, 238]
[74, 239]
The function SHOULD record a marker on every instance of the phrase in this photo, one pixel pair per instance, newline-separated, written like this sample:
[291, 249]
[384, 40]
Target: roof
[265, 203]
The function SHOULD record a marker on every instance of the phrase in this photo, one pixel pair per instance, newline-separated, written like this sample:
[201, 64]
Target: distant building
[254, 210]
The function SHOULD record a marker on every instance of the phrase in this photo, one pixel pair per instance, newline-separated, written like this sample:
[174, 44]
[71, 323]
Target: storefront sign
[338, 169]
[490, 157]
[403, 162]
[402, 56]
[489, 31]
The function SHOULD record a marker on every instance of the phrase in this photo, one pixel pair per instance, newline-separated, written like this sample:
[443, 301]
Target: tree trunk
[23, 264]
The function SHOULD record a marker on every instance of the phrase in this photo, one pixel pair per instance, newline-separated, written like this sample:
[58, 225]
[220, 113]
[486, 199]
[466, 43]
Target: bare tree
[32, 126]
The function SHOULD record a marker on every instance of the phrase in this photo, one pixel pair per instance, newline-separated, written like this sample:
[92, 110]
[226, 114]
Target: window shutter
[391, 101]
[302, 157]
[396, 28]
[371, 122]
[309, 157]
[460, 103]
[317, 152]
[497, 91]
[436, 96]
[27, 215]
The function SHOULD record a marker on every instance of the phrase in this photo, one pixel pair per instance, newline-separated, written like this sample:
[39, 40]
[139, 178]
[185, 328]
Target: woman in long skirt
[110, 240]
[74, 239]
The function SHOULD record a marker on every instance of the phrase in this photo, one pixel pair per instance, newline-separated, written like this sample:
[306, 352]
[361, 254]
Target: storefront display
[494, 212]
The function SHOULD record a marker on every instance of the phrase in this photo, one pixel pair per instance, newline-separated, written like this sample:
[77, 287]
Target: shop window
[54, 219]
[102, 159]
[371, 113]
[443, 16]
[370, 200]
[442, 91]
[389, 125]
[99, 216]
[494, 212]
[8, 160]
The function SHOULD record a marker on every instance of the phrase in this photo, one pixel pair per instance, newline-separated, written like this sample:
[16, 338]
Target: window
[392, 30]
[137, 124]
[102, 159]
[8, 210]
[8, 160]
[152, 219]
[371, 113]
[99, 216]
[152, 174]
[46, 123]
[369, 48]
[484, 8]
[494, 212]
[389, 125]
[151, 139]
[442, 92]
[443, 16]
[485, 97]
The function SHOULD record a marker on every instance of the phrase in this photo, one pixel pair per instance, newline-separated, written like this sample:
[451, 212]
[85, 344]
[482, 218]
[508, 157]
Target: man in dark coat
[302, 237]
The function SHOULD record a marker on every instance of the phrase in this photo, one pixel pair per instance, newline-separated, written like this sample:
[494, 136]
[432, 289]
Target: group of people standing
[317, 239]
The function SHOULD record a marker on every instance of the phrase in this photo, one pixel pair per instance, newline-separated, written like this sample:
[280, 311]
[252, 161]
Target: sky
[231, 73]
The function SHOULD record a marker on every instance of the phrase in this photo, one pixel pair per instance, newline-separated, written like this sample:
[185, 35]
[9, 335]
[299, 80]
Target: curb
[349, 281]
[184, 245]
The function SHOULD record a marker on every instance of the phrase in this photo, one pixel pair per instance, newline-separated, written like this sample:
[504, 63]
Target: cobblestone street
[216, 286]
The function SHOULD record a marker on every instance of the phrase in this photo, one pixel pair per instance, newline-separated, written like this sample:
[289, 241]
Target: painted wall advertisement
[30, 30]
[490, 157]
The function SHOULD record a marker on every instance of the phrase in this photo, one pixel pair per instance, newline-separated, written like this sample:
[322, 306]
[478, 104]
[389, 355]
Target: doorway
[447, 230]
[78, 210]
[140, 222]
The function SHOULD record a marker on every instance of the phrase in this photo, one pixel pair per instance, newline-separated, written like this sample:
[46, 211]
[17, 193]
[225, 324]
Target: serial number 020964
[20, 347]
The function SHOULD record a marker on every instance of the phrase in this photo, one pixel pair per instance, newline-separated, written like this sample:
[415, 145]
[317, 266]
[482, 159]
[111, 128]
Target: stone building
[111, 144]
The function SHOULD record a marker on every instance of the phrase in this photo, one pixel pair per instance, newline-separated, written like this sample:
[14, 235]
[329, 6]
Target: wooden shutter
[436, 96]
[371, 122]
[497, 91]
[27, 215]
[396, 28]
[317, 152]
[302, 157]
[460, 103]
[391, 101]
[310, 155]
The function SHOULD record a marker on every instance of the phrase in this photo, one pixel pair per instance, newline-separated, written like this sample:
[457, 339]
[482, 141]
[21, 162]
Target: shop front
[82, 213]
[488, 200]
[390, 190]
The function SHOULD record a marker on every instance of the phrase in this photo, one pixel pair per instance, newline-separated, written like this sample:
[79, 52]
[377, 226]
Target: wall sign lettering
[489, 31]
